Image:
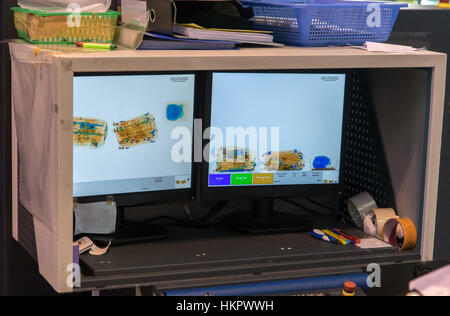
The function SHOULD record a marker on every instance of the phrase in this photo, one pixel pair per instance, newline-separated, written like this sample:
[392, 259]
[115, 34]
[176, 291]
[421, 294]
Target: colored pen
[334, 230]
[320, 235]
[102, 46]
[317, 233]
[352, 238]
[340, 239]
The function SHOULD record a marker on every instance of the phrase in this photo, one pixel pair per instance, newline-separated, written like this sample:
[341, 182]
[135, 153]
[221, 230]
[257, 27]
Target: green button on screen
[241, 179]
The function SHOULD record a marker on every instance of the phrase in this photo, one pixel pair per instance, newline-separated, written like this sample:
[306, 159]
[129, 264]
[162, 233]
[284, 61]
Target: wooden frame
[245, 59]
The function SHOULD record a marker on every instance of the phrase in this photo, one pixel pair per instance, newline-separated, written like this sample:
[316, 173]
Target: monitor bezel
[154, 197]
[272, 191]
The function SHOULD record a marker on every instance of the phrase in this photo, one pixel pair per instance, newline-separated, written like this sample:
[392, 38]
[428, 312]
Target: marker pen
[317, 233]
[102, 46]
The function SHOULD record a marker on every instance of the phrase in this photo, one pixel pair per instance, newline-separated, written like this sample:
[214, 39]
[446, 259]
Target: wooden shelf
[248, 58]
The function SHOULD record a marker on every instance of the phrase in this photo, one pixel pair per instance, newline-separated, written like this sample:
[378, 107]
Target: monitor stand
[128, 233]
[264, 220]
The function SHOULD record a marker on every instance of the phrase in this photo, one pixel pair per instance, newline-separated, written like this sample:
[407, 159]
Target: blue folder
[153, 41]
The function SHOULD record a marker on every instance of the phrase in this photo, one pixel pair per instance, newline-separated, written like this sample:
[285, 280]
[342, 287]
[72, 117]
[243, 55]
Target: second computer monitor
[274, 134]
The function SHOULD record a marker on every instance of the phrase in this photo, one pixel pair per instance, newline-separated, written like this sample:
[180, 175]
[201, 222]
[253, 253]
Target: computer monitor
[274, 135]
[124, 134]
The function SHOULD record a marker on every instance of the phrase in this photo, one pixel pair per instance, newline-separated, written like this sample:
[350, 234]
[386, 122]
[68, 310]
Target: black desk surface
[218, 253]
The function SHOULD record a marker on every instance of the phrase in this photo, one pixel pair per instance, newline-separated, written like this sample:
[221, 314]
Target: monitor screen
[122, 133]
[276, 129]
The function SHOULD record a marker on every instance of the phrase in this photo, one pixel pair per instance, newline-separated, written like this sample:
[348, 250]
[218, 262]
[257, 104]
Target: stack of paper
[194, 31]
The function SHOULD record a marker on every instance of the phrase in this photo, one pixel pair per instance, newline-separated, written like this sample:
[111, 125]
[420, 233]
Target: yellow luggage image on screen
[138, 131]
[290, 160]
[235, 159]
[89, 132]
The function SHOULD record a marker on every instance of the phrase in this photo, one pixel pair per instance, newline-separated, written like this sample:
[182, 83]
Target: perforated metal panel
[26, 232]
[365, 161]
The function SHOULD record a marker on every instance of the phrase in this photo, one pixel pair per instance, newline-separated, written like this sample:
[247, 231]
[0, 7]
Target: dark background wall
[18, 272]
[4, 148]
[429, 28]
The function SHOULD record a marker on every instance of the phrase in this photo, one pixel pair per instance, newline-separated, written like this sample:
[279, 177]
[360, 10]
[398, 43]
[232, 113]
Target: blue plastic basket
[326, 23]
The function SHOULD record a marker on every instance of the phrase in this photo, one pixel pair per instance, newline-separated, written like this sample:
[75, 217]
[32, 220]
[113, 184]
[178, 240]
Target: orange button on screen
[263, 178]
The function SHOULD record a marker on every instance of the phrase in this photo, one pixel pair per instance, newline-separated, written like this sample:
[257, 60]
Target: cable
[345, 216]
[321, 204]
[302, 207]
[209, 219]
[218, 212]
[215, 216]
[169, 218]
[188, 212]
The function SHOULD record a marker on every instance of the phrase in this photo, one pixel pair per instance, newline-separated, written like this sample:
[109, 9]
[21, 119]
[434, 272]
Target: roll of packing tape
[376, 219]
[359, 207]
[400, 232]
[370, 224]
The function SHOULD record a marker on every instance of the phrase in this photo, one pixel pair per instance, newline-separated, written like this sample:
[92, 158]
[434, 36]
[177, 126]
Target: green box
[242, 179]
[40, 27]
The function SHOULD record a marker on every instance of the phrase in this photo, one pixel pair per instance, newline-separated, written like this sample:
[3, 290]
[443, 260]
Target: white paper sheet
[95, 218]
[34, 87]
[373, 243]
[387, 48]
[436, 283]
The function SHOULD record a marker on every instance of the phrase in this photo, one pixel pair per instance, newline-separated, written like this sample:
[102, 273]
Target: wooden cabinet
[407, 92]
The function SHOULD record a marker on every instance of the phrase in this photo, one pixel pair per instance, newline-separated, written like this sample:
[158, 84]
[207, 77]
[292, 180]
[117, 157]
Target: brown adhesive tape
[400, 232]
[376, 220]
